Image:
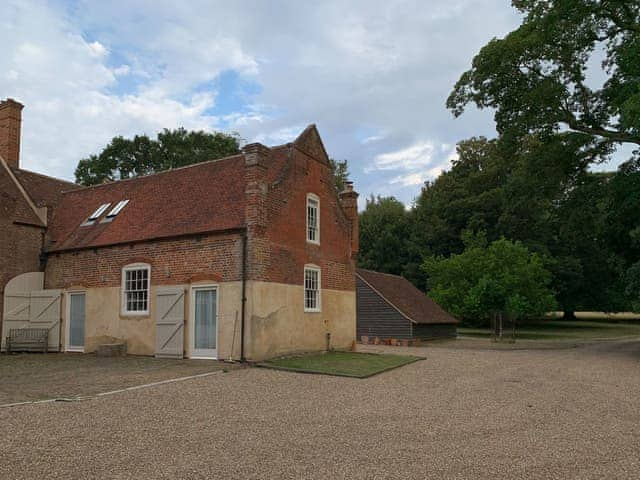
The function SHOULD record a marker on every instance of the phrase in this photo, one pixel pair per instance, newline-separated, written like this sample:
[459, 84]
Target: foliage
[125, 158]
[633, 285]
[340, 171]
[386, 239]
[540, 78]
[485, 279]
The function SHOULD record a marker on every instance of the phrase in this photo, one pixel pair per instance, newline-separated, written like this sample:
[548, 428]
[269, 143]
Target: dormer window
[313, 218]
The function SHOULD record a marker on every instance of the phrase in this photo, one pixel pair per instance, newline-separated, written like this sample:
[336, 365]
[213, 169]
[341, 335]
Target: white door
[204, 324]
[75, 322]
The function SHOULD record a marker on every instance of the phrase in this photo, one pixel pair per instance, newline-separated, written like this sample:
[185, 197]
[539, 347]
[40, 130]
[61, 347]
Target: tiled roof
[44, 191]
[405, 297]
[200, 198]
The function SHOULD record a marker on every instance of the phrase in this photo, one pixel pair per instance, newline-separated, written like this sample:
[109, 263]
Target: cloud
[413, 157]
[373, 76]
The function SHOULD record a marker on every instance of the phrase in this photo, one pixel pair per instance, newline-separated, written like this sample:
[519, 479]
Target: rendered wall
[277, 324]
[105, 324]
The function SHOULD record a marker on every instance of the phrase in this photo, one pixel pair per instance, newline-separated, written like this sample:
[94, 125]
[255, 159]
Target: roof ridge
[154, 174]
[382, 273]
[50, 177]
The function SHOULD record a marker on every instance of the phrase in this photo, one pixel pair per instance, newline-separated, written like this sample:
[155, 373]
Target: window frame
[318, 270]
[123, 290]
[312, 197]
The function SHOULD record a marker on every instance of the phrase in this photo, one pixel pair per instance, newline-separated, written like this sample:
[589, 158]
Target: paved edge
[346, 375]
[80, 398]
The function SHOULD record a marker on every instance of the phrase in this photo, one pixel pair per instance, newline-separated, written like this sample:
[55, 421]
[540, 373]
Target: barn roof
[199, 198]
[401, 294]
[45, 191]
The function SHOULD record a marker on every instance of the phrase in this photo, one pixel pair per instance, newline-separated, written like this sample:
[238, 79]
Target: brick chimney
[10, 119]
[349, 200]
[256, 163]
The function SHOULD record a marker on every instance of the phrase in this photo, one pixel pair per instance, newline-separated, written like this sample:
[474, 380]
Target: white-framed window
[135, 289]
[312, 288]
[313, 218]
[95, 215]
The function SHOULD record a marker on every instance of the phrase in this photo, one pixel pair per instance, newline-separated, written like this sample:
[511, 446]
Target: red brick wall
[177, 261]
[19, 244]
[10, 120]
[280, 249]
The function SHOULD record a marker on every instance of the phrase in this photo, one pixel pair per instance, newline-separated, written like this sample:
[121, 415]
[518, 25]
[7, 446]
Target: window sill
[134, 315]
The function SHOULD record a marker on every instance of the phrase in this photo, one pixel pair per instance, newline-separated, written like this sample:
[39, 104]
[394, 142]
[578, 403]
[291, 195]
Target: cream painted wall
[278, 325]
[104, 324]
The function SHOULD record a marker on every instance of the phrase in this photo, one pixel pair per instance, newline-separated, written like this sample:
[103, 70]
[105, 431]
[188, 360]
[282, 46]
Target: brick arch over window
[136, 259]
[205, 277]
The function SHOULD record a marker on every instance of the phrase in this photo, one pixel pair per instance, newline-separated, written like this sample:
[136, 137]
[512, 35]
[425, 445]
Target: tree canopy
[125, 158]
[541, 78]
[487, 279]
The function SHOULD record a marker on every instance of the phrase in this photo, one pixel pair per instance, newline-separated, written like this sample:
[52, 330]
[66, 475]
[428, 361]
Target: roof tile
[404, 296]
[204, 197]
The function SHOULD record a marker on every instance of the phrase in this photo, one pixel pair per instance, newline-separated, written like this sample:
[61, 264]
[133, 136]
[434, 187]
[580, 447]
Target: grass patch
[343, 364]
[559, 330]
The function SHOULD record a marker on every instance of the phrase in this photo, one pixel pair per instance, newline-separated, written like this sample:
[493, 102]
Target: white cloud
[97, 50]
[99, 69]
[415, 156]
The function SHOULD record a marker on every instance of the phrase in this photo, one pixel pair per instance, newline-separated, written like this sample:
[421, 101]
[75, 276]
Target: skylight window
[101, 209]
[117, 209]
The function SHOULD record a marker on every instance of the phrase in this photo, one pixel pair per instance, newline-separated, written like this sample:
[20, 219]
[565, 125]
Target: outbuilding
[390, 306]
[246, 257]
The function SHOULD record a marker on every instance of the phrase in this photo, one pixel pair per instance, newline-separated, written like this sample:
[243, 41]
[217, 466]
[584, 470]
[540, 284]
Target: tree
[385, 239]
[125, 158]
[538, 81]
[502, 277]
[340, 173]
[633, 286]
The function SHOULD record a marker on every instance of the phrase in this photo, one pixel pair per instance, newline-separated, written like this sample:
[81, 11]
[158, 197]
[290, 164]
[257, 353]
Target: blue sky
[373, 76]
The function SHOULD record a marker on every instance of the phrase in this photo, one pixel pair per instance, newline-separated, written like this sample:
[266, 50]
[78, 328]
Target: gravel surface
[565, 414]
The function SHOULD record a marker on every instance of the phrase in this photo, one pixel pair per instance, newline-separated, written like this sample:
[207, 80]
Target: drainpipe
[244, 293]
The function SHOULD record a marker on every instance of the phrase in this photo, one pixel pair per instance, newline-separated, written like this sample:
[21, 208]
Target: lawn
[562, 330]
[344, 364]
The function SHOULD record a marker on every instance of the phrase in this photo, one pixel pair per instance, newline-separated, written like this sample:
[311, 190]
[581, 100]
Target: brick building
[248, 256]
[27, 203]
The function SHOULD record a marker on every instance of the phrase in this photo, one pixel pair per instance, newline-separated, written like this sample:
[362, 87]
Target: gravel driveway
[570, 413]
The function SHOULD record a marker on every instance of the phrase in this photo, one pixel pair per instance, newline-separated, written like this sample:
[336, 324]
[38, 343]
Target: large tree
[488, 279]
[543, 77]
[125, 158]
[385, 239]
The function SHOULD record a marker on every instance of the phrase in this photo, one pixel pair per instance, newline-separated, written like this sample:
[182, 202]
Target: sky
[372, 75]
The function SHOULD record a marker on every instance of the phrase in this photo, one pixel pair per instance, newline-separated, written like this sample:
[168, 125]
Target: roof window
[117, 209]
[101, 209]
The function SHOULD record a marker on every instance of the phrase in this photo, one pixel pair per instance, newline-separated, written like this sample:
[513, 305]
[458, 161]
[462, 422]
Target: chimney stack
[10, 119]
[349, 200]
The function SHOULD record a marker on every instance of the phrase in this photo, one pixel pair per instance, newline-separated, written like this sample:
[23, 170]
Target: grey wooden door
[35, 309]
[44, 312]
[170, 322]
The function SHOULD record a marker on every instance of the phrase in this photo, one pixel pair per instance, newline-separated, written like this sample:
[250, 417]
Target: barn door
[44, 312]
[170, 322]
[35, 309]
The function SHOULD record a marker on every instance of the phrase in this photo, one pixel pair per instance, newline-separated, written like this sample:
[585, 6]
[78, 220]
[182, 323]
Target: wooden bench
[27, 339]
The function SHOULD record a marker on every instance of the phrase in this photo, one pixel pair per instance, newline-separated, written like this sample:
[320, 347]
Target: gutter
[244, 294]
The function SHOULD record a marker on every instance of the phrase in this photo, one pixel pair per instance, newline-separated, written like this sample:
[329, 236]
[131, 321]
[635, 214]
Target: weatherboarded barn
[389, 306]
